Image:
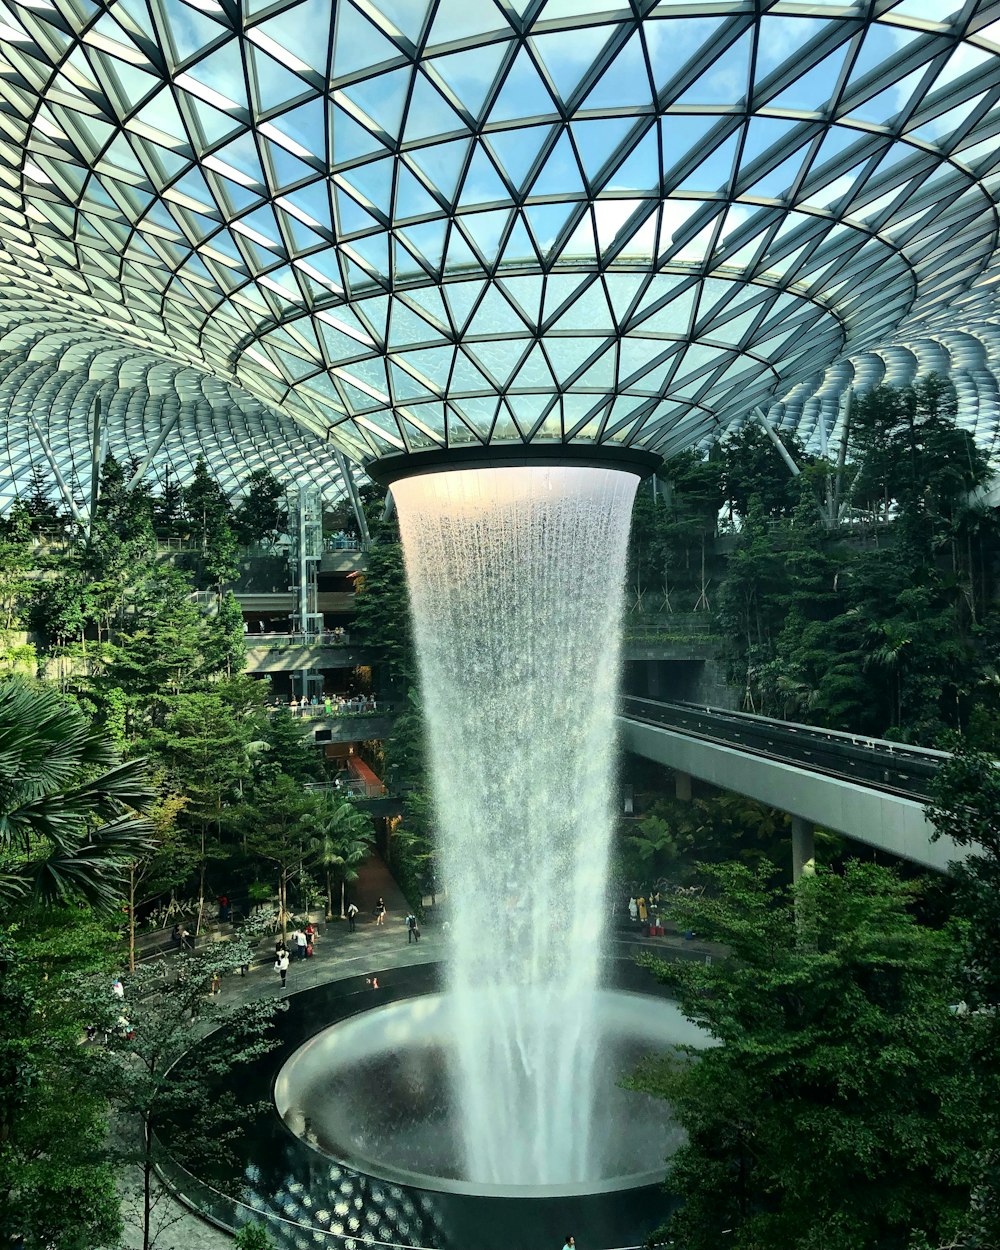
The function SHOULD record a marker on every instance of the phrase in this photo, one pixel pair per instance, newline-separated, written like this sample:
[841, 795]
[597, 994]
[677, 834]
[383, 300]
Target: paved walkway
[338, 954]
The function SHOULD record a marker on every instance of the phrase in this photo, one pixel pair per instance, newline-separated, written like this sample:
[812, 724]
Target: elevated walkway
[867, 789]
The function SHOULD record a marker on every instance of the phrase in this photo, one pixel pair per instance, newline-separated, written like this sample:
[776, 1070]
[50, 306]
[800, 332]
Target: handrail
[891, 767]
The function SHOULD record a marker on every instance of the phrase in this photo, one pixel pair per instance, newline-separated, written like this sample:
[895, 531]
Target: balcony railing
[328, 638]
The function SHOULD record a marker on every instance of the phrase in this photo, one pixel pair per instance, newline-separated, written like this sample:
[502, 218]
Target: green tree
[342, 840]
[203, 746]
[283, 821]
[965, 807]
[834, 1110]
[156, 1098]
[261, 514]
[70, 810]
[752, 468]
[57, 1190]
[382, 620]
[209, 517]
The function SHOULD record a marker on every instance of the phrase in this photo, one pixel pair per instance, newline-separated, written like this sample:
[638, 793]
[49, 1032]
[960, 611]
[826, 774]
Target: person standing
[352, 912]
[633, 910]
[216, 983]
[380, 912]
[411, 929]
[570, 1242]
[117, 989]
[301, 942]
[281, 965]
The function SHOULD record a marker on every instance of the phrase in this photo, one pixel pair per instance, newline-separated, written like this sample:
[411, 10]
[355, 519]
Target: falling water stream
[515, 578]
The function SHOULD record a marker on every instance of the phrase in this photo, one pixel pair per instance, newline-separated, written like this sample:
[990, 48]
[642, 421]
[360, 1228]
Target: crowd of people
[325, 705]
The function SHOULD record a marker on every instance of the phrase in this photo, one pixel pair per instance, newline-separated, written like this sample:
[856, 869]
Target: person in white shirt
[281, 966]
[352, 912]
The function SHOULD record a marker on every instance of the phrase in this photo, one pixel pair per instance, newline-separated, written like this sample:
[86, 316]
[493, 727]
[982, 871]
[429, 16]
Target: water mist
[516, 578]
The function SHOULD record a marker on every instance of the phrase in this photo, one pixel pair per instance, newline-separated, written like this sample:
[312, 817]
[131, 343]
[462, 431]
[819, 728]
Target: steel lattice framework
[411, 224]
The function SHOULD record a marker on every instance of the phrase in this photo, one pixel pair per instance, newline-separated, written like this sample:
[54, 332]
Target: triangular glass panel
[465, 377]
[305, 125]
[188, 30]
[358, 44]
[534, 373]
[782, 39]
[382, 98]
[813, 91]
[485, 231]
[639, 172]
[442, 165]
[373, 252]
[412, 197]
[406, 329]
[515, 151]
[545, 221]
[461, 297]
[349, 139]
[715, 171]
[524, 94]
[560, 173]
[429, 114]
[432, 364]
[459, 254]
[887, 104]
[505, 428]
[458, 19]
[371, 182]
[674, 42]
[403, 16]
[498, 357]
[430, 305]
[683, 135]
[272, 83]
[567, 354]
[567, 62]
[482, 183]
[526, 292]
[778, 182]
[222, 72]
[726, 81]
[602, 374]
[404, 386]
[351, 216]
[470, 75]
[598, 143]
[428, 239]
[295, 30]
[625, 83]
[286, 170]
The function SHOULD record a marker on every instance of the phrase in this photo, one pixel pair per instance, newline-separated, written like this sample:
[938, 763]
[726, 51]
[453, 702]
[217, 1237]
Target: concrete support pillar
[803, 848]
[682, 786]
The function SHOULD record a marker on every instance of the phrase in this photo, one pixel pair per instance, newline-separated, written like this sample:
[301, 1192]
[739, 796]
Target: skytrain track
[892, 767]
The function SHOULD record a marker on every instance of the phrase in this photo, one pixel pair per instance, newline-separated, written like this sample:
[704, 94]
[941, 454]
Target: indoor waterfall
[516, 581]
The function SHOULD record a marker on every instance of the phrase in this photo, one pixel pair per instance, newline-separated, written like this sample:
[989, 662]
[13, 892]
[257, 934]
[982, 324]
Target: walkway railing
[269, 638]
[894, 767]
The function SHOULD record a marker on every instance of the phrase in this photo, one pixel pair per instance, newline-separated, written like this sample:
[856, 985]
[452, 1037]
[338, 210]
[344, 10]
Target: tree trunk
[201, 886]
[329, 894]
[283, 902]
[147, 1184]
[131, 916]
[343, 893]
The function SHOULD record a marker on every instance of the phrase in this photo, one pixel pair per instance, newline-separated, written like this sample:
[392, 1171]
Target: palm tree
[343, 839]
[70, 810]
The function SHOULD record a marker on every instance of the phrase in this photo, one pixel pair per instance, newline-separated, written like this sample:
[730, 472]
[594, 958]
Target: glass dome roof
[412, 224]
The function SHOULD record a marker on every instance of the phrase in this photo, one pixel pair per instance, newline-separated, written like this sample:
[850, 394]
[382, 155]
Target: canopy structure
[405, 225]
